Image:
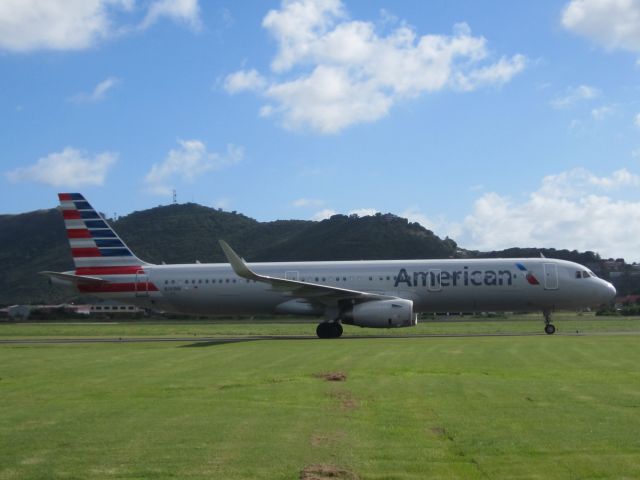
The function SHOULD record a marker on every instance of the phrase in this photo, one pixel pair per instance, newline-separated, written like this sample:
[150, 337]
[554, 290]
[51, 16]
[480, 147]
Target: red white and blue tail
[96, 248]
[104, 265]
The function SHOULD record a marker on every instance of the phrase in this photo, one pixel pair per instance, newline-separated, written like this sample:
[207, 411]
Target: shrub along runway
[407, 408]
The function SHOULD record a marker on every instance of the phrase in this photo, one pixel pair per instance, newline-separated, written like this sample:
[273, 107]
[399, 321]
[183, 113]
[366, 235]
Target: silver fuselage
[531, 284]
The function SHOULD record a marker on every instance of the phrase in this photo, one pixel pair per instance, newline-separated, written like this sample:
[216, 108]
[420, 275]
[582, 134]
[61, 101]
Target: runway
[252, 338]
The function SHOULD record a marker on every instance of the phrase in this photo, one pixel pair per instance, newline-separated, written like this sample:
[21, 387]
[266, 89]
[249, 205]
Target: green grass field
[410, 408]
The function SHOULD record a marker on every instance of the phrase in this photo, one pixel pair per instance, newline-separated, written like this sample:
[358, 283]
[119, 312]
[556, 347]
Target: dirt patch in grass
[325, 471]
[332, 376]
[347, 401]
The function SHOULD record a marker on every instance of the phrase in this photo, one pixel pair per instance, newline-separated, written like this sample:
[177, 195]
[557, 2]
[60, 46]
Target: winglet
[237, 263]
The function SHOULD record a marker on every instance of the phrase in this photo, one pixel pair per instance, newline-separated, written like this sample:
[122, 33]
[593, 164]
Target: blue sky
[496, 123]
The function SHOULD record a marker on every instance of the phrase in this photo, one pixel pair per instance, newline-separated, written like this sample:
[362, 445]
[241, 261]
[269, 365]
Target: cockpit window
[584, 274]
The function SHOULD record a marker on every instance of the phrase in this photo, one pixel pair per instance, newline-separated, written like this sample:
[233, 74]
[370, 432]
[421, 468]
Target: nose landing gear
[549, 328]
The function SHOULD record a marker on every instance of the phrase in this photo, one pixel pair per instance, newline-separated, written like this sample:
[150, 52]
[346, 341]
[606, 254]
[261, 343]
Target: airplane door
[550, 276]
[142, 284]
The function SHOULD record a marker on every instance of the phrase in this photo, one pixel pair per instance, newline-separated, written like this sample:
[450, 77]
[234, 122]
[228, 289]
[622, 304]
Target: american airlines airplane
[378, 294]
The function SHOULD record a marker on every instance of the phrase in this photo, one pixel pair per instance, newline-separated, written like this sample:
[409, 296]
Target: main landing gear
[329, 330]
[549, 328]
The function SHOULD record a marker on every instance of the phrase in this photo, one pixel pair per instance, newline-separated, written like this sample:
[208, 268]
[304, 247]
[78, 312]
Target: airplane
[377, 294]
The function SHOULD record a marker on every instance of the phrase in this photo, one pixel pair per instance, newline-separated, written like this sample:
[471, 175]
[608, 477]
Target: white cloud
[601, 113]
[28, 25]
[364, 212]
[187, 163]
[323, 214]
[636, 120]
[327, 212]
[332, 72]
[574, 209]
[327, 101]
[307, 202]
[185, 11]
[496, 74]
[244, 81]
[580, 181]
[69, 168]
[98, 93]
[615, 24]
[574, 95]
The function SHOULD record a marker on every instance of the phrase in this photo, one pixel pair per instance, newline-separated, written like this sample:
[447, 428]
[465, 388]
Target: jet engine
[381, 314]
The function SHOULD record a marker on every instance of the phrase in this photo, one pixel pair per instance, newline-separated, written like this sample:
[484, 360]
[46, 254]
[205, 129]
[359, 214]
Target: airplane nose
[608, 292]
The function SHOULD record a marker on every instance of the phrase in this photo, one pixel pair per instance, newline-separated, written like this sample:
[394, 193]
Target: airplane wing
[311, 291]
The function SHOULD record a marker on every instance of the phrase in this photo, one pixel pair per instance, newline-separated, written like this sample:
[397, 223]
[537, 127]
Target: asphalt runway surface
[203, 341]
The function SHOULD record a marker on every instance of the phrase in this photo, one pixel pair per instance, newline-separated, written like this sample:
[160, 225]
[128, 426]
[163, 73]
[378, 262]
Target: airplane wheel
[549, 329]
[337, 330]
[329, 330]
[322, 330]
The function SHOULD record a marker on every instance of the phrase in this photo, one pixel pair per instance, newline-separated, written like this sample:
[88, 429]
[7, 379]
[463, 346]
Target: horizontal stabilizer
[77, 279]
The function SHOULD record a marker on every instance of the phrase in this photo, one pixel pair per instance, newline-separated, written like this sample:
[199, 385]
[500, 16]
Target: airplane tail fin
[95, 246]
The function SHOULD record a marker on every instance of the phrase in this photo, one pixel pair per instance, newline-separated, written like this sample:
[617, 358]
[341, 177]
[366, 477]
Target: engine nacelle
[381, 314]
